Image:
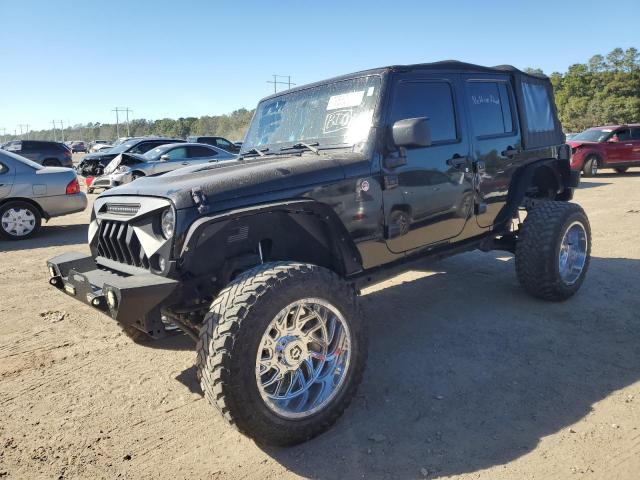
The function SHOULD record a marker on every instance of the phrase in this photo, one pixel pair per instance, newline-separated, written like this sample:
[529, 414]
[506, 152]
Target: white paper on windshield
[346, 100]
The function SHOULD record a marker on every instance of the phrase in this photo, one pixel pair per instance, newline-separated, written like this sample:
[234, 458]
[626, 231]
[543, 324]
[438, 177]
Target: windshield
[334, 114]
[593, 135]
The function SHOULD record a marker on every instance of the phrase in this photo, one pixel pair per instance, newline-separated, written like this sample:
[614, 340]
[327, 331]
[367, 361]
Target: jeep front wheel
[282, 351]
[553, 250]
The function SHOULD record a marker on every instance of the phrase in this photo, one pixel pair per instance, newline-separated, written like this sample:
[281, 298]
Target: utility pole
[277, 82]
[26, 125]
[127, 110]
[62, 130]
[55, 137]
[117, 122]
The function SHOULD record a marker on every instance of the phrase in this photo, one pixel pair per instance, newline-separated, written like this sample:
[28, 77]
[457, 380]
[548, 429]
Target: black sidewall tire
[588, 164]
[537, 253]
[247, 409]
[25, 205]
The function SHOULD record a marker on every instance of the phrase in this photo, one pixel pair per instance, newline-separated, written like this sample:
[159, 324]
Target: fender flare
[523, 177]
[341, 243]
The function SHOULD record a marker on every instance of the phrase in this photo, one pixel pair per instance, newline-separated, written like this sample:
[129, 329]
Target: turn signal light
[73, 187]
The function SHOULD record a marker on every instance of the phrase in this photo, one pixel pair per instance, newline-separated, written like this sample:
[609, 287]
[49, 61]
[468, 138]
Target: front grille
[118, 241]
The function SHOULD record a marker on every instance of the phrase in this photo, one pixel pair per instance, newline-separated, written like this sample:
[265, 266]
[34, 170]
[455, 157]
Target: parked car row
[128, 166]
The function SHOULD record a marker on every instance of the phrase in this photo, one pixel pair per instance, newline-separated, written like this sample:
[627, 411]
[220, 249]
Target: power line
[277, 82]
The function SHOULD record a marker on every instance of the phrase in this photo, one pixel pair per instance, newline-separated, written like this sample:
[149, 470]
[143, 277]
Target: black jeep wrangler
[339, 183]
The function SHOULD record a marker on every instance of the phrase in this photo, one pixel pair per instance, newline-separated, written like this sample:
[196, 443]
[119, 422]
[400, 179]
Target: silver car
[126, 167]
[30, 192]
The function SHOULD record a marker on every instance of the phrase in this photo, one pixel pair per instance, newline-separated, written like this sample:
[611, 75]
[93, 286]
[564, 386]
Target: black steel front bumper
[129, 299]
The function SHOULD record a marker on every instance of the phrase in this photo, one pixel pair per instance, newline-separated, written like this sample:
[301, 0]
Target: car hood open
[240, 178]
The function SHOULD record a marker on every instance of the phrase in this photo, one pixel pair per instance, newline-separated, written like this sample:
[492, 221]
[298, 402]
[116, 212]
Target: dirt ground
[468, 377]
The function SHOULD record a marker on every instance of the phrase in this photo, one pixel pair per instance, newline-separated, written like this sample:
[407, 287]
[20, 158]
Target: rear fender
[552, 173]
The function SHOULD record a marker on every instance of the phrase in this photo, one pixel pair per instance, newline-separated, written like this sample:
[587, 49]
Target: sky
[76, 61]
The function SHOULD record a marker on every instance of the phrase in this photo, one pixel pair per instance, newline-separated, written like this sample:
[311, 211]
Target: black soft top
[537, 113]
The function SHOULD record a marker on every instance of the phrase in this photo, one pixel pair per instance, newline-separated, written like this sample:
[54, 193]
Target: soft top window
[538, 107]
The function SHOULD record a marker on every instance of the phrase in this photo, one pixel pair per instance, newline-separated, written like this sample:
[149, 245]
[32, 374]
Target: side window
[427, 99]
[178, 153]
[635, 133]
[624, 135]
[537, 106]
[222, 143]
[201, 152]
[490, 108]
[14, 146]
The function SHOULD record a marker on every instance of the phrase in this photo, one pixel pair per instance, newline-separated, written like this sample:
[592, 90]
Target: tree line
[605, 90]
[232, 126]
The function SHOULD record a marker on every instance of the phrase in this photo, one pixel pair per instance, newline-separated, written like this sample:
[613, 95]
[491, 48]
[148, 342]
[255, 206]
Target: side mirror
[165, 158]
[411, 132]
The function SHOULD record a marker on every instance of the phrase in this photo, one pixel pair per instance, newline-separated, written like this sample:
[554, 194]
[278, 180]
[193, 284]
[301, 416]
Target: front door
[428, 199]
[496, 141]
[620, 147]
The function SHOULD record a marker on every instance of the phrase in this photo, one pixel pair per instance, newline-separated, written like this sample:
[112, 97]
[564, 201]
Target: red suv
[616, 147]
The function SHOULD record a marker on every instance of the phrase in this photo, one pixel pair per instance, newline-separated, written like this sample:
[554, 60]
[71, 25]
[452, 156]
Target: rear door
[432, 191]
[29, 150]
[496, 141]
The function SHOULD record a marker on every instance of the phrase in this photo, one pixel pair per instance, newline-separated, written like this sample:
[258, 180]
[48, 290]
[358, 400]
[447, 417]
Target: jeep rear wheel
[282, 352]
[553, 250]
[591, 166]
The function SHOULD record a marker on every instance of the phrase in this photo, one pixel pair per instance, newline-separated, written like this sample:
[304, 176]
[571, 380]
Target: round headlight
[168, 223]
[122, 169]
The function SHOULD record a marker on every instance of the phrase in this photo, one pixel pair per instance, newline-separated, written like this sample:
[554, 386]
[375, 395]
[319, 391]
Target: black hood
[240, 178]
[98, 157]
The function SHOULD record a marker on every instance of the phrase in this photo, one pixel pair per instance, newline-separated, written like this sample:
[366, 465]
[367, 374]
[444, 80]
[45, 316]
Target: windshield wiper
[299, 145]
[259, 151]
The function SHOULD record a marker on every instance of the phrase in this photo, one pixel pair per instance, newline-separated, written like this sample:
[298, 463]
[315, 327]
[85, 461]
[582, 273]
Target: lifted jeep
[339, 183]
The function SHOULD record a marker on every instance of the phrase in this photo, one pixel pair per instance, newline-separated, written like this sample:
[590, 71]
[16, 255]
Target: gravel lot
[468, 377]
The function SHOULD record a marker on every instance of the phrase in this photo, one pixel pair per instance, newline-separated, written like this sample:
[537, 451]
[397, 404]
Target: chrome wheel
[594, 166]
[573, 253]
[303, 358]
[18, 222]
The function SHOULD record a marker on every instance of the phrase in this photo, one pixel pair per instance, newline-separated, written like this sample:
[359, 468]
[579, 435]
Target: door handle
[185, 163]
[456, 161]
[510, 152]
[628, 144]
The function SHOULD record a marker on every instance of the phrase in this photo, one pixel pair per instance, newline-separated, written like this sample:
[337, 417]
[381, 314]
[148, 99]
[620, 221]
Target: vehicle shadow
[49, 236]
[466, 371]
[633, 174]
[584, 184]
